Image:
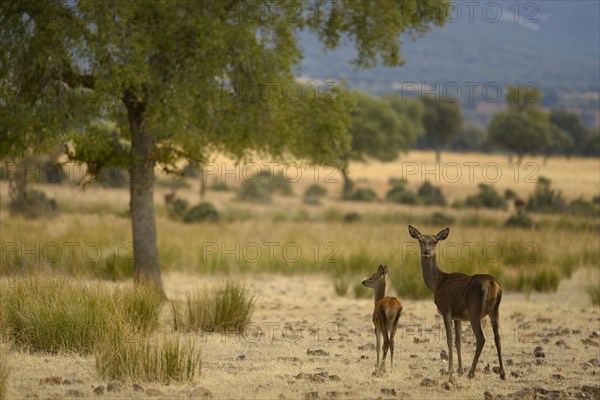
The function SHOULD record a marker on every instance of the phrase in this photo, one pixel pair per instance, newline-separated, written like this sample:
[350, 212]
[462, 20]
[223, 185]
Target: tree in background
[145, 84]
[523, 128]
[381, 129]
[442, 120]
[471, 138]
[572, 125]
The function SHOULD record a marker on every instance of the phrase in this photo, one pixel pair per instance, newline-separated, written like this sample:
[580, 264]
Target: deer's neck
[379, 292]
[431, 272]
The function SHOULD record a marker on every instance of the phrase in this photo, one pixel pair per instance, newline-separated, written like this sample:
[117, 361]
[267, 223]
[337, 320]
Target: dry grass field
[307, 339]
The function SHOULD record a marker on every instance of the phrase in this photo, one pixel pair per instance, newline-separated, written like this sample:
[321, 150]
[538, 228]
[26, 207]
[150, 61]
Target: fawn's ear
[381, 270]
[414, 232]
[385, 269]
[443, 234]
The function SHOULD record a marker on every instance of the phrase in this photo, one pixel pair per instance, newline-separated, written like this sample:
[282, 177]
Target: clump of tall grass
[3, 375]
[163, 359]
[59, 315]
[361, 291]
[409, 283]
[227, 308]
[594, 293]
[341, 285]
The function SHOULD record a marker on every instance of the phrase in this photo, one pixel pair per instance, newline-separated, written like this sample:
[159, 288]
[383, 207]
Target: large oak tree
[143, 84]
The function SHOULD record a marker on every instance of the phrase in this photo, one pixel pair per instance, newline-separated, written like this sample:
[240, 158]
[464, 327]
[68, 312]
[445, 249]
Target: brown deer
[385, 315]
[460, 297]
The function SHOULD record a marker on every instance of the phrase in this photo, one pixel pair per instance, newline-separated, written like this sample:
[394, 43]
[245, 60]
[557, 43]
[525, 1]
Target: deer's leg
[392, 334]
[457, 339]
[378, 346]
[386, 338]
[494, 317]
[480, 339]
[448, 325]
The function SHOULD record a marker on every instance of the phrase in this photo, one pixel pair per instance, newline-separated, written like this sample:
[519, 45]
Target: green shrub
[431, 195]
[409, 284]
[361, 194]
[227, 308]
[219, 186]
[486, 198]
[314, 193]
[519, 220]
[399, 193]
[177, 208]
[509, 194]
[33, 204]
[594, 293]
[332, 214]
[544, 199]
[254, 192]
[441, 219]
[58, 315]
[352, 216]
[202, 212]
[584, 208]
[163, 360]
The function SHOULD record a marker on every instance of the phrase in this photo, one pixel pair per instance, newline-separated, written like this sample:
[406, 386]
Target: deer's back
[455, 290]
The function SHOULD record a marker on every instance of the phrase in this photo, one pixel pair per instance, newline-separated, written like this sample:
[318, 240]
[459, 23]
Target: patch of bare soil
[306, 342]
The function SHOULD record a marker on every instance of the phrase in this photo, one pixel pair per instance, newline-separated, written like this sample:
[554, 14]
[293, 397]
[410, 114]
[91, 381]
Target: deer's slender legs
[386, 338]
[378, 346]
[494, 317]
[457, 339]
[448, 325]
[480, 339]
[392, 334]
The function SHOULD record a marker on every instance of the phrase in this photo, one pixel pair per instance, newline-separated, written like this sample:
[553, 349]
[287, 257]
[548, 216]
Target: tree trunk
[203, 183]
[348, 185]
[438, 154]
[145, 251]
[520, 158]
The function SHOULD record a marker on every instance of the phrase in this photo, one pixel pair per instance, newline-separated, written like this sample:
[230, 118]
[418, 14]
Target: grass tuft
[341, 285]
[227, 308]
[59, 315]
[3, 376]
[594, 293]
[164, 359]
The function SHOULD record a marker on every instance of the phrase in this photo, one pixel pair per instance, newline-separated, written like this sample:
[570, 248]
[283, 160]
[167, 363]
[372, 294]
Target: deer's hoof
[502, 375]
[471, 375]
[459, 371]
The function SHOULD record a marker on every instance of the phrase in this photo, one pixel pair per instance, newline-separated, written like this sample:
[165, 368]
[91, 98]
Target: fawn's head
[375, 279]
[428, 242]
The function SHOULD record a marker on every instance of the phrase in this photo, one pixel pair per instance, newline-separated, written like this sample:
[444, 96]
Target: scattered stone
[589, 342]
[367, 347]
[428, 382]
[334, 378]
[487, 369]
[563, 344]
[448, 385]
[517, 374]
[51, 380]
[509, 362]
[595, 362]
[539, 352]
[595, 334]
[591, 391]
[241, 357]
[363, 357]
[388, 392]
[444, 355]
[75, 393]
[413, 356]
[551, 394]
[488, 396]
[311, 395]
[540, 361]
[496, 370]
[99, 390]
[71, 380]
[200, 393]
[114, 386]
[137, 388]
[153, 392]
[316, 352]
[32, 396]
[557, 377]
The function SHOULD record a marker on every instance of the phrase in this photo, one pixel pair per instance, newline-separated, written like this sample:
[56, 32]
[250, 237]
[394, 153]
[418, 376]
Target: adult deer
[460, 297]
[385, 315]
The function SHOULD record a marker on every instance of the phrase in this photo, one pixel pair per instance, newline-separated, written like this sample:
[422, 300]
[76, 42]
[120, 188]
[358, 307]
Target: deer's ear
[381, 270]
[385, 269]
[414, 232]
[443, 234]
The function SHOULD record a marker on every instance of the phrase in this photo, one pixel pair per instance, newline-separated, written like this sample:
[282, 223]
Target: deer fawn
[460, 297]
[385, 316]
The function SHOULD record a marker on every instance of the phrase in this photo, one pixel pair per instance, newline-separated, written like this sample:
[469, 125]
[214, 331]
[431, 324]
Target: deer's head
[377, 277]
[428, 242]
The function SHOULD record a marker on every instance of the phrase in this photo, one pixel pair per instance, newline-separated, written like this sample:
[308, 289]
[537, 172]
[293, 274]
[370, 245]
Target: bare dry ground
[307, 342]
